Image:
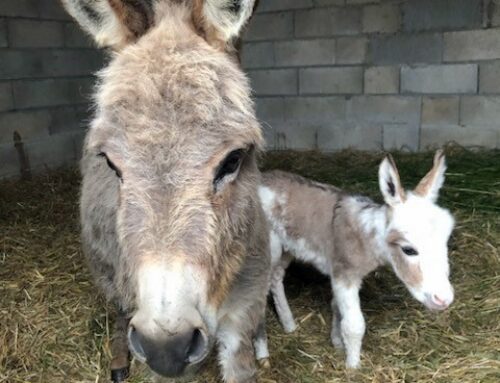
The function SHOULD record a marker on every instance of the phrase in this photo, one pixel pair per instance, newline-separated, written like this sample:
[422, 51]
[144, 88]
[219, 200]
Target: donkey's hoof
[265, 363]
[119, 375]
[290, 327]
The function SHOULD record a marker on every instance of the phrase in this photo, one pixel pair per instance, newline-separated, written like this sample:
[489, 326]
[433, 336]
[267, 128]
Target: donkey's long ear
[112, 23]
[429, 186]
[222, 21]
[389, 182]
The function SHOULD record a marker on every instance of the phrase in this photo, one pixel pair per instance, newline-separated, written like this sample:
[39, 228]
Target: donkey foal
[346, 237]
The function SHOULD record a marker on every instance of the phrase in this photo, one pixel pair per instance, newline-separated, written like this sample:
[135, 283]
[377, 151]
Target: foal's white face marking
[425, 229]
[418, 234]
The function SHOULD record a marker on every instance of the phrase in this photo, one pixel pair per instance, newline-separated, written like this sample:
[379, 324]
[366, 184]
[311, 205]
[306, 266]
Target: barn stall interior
[336, 82]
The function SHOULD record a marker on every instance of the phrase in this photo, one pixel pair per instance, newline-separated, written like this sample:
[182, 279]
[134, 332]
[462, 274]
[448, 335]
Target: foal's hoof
[265, 363]
[119, 375]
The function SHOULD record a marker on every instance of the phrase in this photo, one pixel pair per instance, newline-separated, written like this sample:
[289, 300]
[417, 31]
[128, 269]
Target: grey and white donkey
[347, 236]
[171, 221]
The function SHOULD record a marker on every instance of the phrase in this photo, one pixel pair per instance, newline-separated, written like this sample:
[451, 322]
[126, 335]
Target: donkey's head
[418, 233]
[175, 134]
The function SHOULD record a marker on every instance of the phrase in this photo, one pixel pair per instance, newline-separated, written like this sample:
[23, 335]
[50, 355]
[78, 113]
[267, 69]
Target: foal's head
[418, 233]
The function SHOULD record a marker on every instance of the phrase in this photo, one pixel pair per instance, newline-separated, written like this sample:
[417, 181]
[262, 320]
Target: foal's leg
[352, 323]
[336, 333]
[279, 297]
[119, 349]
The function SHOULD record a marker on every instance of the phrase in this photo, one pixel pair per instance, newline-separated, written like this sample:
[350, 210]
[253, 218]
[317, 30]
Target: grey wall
[327, 74]
[46, 67]
[376, 74]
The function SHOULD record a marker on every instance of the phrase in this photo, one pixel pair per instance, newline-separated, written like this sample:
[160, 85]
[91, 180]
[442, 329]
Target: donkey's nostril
[134, 341]
[198, 347]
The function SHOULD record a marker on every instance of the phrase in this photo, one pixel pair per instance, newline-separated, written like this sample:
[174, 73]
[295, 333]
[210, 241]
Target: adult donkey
[171, 222]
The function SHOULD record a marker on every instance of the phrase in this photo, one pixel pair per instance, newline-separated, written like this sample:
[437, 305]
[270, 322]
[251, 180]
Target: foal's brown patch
[409, 272]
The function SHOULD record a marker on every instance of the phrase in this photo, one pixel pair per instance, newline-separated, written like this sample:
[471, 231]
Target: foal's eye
[228, 166]
[408, 250]
[111, 165]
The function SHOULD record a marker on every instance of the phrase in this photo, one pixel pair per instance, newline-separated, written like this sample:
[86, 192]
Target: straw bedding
[54, 326]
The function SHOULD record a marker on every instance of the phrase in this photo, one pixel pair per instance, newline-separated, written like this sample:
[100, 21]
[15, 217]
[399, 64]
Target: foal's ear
[390, 183]
[429, 186]
[221, 21]
[112, 23]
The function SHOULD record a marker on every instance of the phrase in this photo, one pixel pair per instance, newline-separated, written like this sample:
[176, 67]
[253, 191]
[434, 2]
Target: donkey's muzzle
[169, 355]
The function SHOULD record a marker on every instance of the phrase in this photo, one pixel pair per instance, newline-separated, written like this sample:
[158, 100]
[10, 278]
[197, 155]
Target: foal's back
[300, 212]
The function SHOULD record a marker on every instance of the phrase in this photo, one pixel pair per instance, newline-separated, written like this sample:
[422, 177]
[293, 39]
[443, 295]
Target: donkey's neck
[372, 221]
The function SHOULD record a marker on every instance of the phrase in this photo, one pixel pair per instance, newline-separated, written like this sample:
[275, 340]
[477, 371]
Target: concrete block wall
[376, 74]
[46, 76]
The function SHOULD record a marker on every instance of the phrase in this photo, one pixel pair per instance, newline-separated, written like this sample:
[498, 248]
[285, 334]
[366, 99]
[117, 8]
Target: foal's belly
[304, 252]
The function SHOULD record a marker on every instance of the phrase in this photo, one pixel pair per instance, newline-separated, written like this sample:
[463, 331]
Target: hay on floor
[54, 327]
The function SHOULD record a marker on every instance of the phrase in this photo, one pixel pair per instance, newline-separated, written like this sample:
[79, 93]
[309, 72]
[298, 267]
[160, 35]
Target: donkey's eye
[111, 165]
[408, 250]
[229, 166]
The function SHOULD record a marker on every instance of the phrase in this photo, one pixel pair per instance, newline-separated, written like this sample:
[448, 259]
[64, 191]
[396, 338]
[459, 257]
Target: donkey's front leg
[352, 323]
[260, 344]
[237, 356]
[119, 349]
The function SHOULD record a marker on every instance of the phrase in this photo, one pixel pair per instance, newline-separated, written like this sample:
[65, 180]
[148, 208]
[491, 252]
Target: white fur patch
[427, 228]
[261, 349]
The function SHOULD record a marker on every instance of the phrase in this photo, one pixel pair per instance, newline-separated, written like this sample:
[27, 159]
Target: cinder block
[52, 10]
[29, 124]
[348, 80]
[472, 45]
[358, 2]
[9, 160]
[401, 137]
[489, 77]
[322, 22]
[305, 52]
[326, 3]
[19, 8]
[351, 50]
[3, 34]
[6, 100]
[443, 14]
[381, 18]
[28, 63]
[52, 92]
[270, 109]
[440, 110]
[435, 136]
[274, 82]
[384, 109]
[270, 112]
[35, 33]
[270, 26]
[74, 37]
[52, 152]
[257, 55]
[295, 135]
[480, 110]
[314, 109]
[382, 80]
[460, 78]
[283, 5]
[344, 135]
[494, 13]
[70, 118]
[406, 49]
